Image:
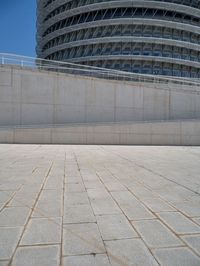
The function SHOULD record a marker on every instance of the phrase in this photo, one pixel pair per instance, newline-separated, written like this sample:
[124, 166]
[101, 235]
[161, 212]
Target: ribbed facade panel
[151, 37]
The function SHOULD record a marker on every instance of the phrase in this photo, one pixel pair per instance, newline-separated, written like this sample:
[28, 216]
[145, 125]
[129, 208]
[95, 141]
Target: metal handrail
[78, 69]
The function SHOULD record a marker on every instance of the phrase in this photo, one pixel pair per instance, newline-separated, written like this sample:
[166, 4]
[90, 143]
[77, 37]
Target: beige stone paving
[99, 205]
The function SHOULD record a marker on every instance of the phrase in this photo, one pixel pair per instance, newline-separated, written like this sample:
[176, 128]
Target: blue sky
[18, 26]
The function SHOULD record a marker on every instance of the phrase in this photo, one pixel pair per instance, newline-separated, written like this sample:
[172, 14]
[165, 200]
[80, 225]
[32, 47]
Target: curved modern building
[142, 36]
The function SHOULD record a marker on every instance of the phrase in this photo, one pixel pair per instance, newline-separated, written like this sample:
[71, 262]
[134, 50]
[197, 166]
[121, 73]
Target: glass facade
[151, 37]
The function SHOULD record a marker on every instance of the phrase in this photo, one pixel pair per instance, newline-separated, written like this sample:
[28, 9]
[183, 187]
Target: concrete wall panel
[156, 104]
[138, 97]
[9, 113]
[34, 114]
[135, 139]
[37, 97]
[68, 94]
[191, 128]
[7, 136]
[183, 105]
[168, 129]
[70, 138]
[166, 139]
[100, 114]
[37, 88]
[32, 136]
[69, 114]
[100, 93]
[5, 77]
[190, 140]
[144, 133]
[7, 94]
[128, 114]
[125, 97]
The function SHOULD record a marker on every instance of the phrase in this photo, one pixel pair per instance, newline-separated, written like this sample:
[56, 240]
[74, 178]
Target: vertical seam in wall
[13, 136]
[85, 107]
[51, 132]
[142, 88]
[115, 100]
[12, 99]
[169, 115]
[55, 89]
[20, 104]
[181, 137]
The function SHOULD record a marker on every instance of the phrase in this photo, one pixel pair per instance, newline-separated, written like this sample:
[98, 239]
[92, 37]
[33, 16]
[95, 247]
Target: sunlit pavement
[99, 205]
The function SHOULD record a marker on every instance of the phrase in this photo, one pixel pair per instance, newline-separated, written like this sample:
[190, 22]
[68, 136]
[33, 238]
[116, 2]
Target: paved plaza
[99, 205]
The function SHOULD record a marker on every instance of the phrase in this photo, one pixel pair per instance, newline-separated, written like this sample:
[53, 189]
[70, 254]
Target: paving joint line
[28, 219]
[63, 206]
[106, 251]
[128, 219]
[185, 244]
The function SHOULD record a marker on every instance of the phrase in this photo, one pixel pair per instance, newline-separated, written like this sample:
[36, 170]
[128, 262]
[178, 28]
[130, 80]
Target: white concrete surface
[149, 133]
[99, 205]
[29, 97]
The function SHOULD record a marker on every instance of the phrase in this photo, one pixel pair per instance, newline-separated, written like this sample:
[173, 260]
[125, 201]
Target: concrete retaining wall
[30, 97]
[149, 133]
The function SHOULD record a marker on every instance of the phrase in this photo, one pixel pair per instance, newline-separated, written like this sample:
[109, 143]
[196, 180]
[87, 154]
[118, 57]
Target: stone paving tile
[121, 182]
[106, 176]
[2, 205]
[11, 185]
[193, 241]
[5, 196]
[86, 260]
[175, 194]
[9, 237]
[189, 208]
[24, 198]
[133, 209]
[73, 179]
[54, 182]
[115, 186]
[102, 202]
[128, 182]
[157, 205]
[153, 181]
[14, 216]
[76, 187]
[49, 204]
[101, 193]
[129, 252]
[47, 209]
[179, 223]
[50, 195]
[80, 239]
[4, 263]
[88, 174]
[95, 184]
[104, 206]
[72, 199]
[42, 231]
[197, 220]
[78, 214]
[141, 192]
[176, 257]
[156, 234]
[115, 227]
[37, 256]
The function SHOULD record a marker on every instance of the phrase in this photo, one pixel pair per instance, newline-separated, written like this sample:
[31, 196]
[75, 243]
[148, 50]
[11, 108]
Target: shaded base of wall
[185, 132]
